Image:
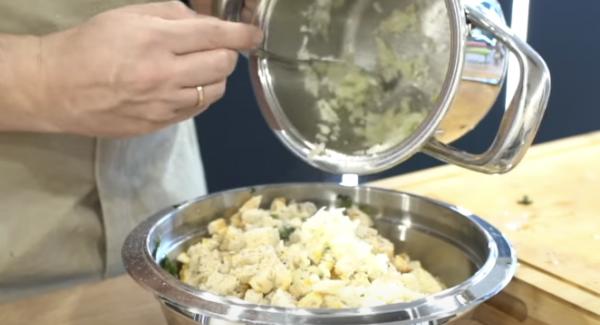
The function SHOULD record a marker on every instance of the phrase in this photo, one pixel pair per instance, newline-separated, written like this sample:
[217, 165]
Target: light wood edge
[548, 298]
[527, 278]
[488, 315]
[449, 171]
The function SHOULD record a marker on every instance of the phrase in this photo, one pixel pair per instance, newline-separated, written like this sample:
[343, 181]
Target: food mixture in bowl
[297, 255]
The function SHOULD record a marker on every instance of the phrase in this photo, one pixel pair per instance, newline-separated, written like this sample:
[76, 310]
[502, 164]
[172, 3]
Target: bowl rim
[493, 276]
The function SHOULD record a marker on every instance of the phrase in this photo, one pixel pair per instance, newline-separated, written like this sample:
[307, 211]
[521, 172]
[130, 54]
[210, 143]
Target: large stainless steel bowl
[469, 255]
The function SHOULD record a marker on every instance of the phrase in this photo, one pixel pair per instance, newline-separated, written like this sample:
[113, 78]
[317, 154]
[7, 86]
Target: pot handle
[522, 118]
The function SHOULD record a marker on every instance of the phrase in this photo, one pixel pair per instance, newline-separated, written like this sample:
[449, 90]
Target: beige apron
[67, 202]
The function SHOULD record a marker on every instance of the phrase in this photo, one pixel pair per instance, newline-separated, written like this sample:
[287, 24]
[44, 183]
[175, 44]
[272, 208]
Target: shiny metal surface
[469, 255]
[524, 115]
[483, 76]
[288, 108]
[477, 47]
[293, 61]
[352, 34]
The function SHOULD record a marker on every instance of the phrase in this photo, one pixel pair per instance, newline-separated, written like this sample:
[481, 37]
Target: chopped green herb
[525, 200]
[252, 190]
[173, 267]
[274, 216]
[369, 210]
[285, 232]
[156, 245]
[343, 201]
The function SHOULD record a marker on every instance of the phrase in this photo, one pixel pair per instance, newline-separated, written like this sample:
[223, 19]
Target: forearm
[20, 84]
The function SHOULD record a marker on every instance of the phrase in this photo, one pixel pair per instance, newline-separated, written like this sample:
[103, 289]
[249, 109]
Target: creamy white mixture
[295, 255]
[349, 99]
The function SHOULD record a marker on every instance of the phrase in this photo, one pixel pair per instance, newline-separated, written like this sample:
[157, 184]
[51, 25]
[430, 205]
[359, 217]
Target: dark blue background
[239, 149]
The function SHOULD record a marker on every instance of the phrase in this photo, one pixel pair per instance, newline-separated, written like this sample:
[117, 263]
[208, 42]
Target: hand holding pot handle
[523, 116]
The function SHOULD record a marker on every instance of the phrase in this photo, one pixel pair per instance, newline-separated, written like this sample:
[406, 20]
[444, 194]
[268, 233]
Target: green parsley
[285, 232]
[156, 245]
[173, 267]
[367, 209]
[525, 200]
[343, 201]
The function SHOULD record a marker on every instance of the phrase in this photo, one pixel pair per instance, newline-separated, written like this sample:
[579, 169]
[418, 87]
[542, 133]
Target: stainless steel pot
[469, 255]
[474, 69]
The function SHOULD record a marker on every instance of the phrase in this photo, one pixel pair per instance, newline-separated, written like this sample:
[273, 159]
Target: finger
[205, 68]
[200, 34]
[143, 121]
[192, 107]
[249, 11]
[172, 10]
[183, 102]
[247, 15]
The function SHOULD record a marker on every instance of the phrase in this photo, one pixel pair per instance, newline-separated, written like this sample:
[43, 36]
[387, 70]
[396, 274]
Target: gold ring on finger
[200, 90]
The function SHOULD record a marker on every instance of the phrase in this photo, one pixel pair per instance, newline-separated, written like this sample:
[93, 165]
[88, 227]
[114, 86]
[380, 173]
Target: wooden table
[557, 237]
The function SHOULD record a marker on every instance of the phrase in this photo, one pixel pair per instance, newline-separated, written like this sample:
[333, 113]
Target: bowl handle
[521, 119]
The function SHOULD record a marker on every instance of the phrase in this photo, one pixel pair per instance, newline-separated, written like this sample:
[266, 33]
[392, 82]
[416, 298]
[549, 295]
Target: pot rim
[495, 274]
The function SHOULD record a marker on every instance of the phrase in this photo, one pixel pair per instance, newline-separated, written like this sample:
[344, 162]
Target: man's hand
[134, 70]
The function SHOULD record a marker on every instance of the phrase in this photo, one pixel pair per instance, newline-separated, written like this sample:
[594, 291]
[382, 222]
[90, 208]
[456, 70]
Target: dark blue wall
[239, 150]
[566, 34]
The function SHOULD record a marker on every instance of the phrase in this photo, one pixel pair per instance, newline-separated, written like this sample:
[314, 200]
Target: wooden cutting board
[557, 234]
